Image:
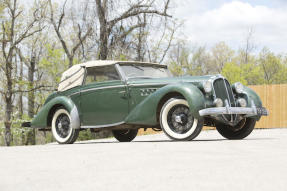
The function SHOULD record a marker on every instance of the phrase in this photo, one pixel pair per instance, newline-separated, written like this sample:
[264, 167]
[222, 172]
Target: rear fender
[41, 119]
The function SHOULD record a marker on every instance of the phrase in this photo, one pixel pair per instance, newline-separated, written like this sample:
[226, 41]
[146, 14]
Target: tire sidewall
[190, 134]
[246, 130]
[125, 137]
[54, 132]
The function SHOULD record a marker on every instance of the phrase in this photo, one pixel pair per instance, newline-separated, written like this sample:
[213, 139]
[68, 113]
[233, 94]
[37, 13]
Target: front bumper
[249, 111]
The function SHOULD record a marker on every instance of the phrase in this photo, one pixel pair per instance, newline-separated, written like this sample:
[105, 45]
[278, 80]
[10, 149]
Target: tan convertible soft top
[74, 76]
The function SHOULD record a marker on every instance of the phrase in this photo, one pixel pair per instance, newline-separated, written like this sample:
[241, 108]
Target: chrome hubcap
[63, 125]
[179, 119]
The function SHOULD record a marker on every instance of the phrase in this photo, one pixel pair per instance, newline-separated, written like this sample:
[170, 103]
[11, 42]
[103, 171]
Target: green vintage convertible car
[125, 96]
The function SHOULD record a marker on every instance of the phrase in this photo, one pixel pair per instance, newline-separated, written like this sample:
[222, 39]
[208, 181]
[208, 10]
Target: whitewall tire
[177, 122]
[62, 129]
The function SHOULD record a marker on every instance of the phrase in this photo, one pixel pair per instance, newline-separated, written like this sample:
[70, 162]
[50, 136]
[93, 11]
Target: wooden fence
[274, 98]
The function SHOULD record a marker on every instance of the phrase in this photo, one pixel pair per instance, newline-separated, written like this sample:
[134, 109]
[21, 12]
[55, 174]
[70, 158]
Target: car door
[104, 99]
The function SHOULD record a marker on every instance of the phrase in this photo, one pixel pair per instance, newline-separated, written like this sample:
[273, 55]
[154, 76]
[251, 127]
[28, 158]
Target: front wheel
[125, 135]
[240, 131]
[61, 127]
[177, 122]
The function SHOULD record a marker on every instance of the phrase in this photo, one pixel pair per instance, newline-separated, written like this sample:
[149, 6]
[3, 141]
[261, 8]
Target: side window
[101, 74]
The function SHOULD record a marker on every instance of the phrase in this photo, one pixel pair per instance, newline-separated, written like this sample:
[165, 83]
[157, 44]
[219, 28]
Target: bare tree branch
[70, 52]
[33, 89]
[62, 15]
[134, 11]
[81, 38]
[57, 28]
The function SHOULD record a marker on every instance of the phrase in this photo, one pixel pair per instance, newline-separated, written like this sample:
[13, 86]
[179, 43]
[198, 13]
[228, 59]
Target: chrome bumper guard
[249, 111]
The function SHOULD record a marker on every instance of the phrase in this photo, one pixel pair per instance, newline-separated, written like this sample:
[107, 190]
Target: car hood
[164, 81]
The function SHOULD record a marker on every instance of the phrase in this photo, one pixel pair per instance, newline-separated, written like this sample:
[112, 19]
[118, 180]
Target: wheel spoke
[63, 125]
[179, 119]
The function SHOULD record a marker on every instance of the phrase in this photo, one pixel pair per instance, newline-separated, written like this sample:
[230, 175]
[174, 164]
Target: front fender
[41, 119]
[251, 95]
[145, 113]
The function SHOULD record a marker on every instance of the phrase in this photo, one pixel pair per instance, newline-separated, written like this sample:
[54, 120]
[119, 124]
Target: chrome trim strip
[149, 84]
[227, 92]
[228, 96]
[121, 72]
[213, 79]
[99, 88]
[102, 126]
[227, 102]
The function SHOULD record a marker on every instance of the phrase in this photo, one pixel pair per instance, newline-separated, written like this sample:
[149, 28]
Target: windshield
[142, 71]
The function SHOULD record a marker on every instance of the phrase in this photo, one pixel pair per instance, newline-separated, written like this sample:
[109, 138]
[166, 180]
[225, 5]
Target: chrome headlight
[242, 102]
[207, 86]
[218, 102]
[238, 87]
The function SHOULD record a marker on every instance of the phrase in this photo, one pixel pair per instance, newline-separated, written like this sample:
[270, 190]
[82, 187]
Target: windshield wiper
[158, 68]
[137, 67]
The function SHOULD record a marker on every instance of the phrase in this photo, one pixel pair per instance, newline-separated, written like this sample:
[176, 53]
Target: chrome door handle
[123, 94]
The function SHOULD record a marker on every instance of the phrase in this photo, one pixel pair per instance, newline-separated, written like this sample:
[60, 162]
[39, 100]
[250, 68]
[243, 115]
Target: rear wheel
[125, 135]
[177, 121]
[240, 131]
[61, 127]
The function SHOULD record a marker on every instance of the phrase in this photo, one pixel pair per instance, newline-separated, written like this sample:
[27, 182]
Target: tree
[248, 47]
[252, 73]
[81, 28]
[199, 62]
[13, 33]
[274, 71]
[179, 58]
[107, 22]
[221, 54]
[158, 48]
[233, 73]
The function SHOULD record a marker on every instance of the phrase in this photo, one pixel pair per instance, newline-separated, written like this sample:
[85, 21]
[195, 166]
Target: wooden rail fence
[274, 98]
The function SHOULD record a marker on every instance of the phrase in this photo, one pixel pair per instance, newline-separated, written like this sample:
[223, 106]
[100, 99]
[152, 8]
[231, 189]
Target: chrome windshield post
[121, 72]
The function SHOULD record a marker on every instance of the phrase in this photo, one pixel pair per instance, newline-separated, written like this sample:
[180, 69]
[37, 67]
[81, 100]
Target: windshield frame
[123, 75]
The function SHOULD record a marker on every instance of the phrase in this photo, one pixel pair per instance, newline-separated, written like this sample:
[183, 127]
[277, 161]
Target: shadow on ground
[165, 141]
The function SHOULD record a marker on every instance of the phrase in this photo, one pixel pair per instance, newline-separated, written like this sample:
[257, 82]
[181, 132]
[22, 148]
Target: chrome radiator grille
[222, 90]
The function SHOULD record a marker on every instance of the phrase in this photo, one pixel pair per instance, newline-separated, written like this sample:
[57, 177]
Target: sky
[207, 22]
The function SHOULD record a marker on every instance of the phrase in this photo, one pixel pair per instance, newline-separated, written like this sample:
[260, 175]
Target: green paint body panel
[146, 111]
[40, 121]
[251, 95]
[103, 106]
[134, 101]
